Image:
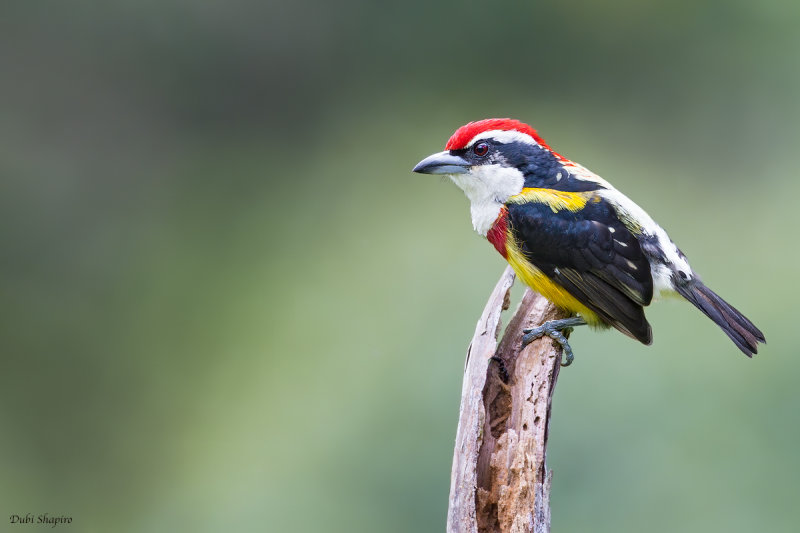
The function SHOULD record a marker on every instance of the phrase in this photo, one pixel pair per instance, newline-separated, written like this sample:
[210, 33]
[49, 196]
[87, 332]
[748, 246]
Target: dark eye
[480, 149]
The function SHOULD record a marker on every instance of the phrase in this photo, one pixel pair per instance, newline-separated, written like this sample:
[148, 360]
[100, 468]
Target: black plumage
[738, 327]
[593, 256]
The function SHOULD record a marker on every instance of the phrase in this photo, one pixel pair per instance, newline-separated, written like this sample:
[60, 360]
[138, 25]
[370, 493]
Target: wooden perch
[499, 481]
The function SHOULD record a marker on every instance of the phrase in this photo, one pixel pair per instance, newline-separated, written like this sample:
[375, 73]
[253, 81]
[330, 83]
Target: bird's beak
[442, 163]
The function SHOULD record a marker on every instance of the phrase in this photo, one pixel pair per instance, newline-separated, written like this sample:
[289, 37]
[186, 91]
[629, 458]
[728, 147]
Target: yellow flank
[538, 281]
[556, 200]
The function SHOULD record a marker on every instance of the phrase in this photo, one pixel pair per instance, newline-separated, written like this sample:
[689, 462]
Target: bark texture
[499, 481]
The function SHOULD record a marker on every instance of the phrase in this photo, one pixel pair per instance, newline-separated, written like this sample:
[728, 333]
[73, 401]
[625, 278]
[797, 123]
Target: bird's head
[489, 160]
[489, 142]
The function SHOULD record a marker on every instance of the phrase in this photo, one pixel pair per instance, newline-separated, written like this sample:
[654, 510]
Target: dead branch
[499, 481]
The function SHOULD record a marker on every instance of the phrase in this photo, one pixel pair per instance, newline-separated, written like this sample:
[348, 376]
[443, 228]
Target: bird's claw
[553, 329]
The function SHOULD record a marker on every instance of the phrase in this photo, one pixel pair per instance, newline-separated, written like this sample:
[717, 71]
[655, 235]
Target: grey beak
[442, 163]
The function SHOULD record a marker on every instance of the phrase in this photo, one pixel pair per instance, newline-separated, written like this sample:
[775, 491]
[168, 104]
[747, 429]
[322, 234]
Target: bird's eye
[480, 149]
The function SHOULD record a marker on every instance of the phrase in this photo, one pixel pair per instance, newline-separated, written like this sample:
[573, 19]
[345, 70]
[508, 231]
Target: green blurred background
[229, 306]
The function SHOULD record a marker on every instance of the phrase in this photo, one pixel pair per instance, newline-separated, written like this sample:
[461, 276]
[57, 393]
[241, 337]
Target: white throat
[488, 187]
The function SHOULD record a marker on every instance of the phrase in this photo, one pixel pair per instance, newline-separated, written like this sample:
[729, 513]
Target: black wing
[593, 256]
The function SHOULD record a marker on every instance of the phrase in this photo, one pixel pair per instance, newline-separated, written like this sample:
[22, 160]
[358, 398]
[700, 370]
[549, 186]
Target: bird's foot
[553, 329]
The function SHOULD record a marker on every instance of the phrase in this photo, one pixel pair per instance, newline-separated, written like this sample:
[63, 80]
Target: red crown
[464, 134]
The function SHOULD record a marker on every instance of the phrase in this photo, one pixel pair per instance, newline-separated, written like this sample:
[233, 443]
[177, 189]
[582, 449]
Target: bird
[572, 237]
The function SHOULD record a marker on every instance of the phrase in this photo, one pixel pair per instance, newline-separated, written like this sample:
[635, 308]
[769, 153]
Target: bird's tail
[741, 331]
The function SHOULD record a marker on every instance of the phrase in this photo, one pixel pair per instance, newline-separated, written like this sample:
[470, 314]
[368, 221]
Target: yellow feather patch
[539, 282]
[556, 200]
